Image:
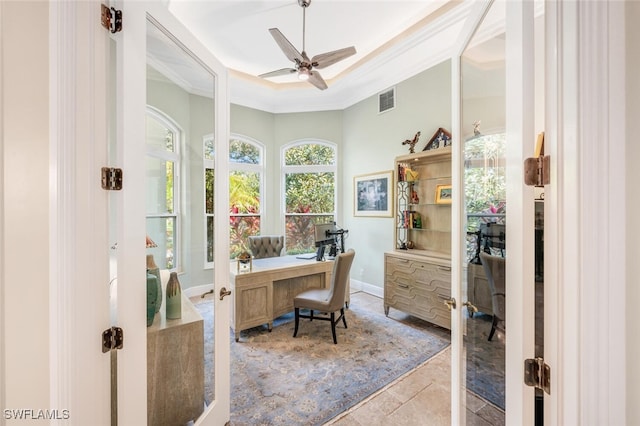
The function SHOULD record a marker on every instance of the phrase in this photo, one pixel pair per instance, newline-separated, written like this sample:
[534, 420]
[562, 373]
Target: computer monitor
[324, 236]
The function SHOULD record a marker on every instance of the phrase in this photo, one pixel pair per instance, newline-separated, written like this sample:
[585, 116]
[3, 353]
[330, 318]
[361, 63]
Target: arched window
[246, 172]
[309, 170]
[163, 143]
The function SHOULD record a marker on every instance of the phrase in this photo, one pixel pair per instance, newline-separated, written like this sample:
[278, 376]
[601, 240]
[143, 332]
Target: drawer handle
[444, 268]
[403, 285]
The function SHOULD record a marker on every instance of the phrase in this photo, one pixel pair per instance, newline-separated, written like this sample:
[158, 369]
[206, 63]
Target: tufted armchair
[262, 246]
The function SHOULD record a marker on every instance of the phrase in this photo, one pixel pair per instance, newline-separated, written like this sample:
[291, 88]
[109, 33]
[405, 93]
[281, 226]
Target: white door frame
[78, 244]
[585, 208]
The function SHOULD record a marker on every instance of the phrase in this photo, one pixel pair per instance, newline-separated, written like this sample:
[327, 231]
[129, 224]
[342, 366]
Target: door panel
[495, 215]
[168, 104]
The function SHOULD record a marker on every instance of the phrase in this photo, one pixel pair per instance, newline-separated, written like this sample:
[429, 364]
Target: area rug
[280, 380]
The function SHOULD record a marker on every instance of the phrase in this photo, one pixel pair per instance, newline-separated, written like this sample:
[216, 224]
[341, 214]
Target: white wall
[633, 207]
[24, 230]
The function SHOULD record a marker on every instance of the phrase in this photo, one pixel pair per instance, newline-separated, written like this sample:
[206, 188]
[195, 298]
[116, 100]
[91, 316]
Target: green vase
[152, 297]
[174, 297]
[153, 269]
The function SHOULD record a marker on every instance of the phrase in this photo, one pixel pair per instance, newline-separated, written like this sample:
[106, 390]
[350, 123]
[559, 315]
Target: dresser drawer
[419, 288]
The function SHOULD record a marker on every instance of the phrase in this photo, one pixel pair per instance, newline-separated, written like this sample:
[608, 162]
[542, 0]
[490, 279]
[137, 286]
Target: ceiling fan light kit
[303, 65]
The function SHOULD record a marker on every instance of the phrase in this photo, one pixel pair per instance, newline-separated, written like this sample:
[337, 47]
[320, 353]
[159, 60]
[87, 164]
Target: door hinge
[111, 19]
[111, 178]
[537, 374]
[112, 339]
[536, 169]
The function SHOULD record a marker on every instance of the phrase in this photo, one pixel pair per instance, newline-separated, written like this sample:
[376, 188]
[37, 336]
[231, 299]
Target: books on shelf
[411, 219]
[406, 173]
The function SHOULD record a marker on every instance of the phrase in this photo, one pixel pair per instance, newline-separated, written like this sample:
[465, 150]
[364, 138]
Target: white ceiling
[394, 40]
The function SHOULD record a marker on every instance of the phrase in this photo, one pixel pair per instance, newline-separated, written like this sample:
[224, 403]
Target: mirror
[483, 122]
[179, 128]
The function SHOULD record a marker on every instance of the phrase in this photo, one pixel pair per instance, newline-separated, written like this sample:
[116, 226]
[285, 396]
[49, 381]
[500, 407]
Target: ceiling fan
[303, 65]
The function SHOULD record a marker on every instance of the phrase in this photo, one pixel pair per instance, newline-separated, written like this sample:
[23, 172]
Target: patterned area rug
[280, 380]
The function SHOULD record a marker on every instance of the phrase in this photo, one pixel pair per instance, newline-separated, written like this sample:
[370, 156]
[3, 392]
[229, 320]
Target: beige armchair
[327, 300]
[495, 270]
[262, 246]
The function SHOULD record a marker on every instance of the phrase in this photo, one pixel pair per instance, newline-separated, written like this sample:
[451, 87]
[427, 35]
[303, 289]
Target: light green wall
[367, 142]
[372, 141]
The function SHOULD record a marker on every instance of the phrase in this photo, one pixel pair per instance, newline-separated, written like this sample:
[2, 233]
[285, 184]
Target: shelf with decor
[418, 270]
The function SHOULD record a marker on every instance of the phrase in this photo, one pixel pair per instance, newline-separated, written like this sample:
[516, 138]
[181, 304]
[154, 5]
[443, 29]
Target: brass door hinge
[537, 374]
[536, 171]
[111, 19]
[112, 339]
[111, 178]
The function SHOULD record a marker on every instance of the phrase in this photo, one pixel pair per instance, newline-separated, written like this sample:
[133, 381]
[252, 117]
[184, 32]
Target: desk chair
[328, 300]
[262, 246]
[494, 269]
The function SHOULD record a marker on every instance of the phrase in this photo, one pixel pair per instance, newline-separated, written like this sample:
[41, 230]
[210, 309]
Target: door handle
[470, 307]
[451, 303]
[224, 292]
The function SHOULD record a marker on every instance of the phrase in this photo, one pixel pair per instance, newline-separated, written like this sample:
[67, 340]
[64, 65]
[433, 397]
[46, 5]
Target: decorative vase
[174, 297]
[153, 269]
[152, 297]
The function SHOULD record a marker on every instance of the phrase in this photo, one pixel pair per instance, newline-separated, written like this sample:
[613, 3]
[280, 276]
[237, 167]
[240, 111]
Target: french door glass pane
[483, 122]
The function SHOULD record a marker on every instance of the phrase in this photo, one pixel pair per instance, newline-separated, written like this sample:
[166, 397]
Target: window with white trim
[246, 183]
[163, 142]
[309, 170]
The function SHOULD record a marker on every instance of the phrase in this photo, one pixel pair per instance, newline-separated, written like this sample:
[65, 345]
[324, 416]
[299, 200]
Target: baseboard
[356, 285]
[198, 290]
[367, 288]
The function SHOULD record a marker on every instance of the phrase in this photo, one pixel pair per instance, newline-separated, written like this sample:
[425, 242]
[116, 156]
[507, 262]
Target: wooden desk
[175, 367]
[267, 292]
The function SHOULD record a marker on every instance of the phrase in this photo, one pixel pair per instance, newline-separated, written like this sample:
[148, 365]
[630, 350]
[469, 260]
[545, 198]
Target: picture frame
[373, 194]
[443, 194]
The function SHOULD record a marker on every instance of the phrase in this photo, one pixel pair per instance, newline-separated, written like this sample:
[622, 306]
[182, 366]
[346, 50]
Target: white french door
[128, 219]
[508, 27]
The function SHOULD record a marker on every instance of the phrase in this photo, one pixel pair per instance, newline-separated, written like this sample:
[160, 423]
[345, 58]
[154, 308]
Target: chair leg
[333, 327]
[311, 314]
[295, 330]
[493, 327]
[344, 319]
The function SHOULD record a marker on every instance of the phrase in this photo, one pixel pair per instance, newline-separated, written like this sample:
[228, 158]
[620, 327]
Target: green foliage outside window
[310, 195]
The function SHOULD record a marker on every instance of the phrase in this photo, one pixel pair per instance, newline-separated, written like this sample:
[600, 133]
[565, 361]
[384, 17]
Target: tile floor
[421, 397]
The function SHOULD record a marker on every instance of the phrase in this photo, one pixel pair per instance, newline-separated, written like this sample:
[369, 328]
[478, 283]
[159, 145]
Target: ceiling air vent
[387, 100]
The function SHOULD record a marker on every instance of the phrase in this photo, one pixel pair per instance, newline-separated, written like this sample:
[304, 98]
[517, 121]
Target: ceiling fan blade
[276, 73]
[317, 80]
[325, 59]
[289, 50]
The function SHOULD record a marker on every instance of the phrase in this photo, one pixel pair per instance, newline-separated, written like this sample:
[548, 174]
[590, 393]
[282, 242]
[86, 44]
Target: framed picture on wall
[373, 194]
[443, 194]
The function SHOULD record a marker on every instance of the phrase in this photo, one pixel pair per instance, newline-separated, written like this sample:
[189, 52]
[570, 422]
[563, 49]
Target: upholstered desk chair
[262, 246]
[495, 270]
[327, 300]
